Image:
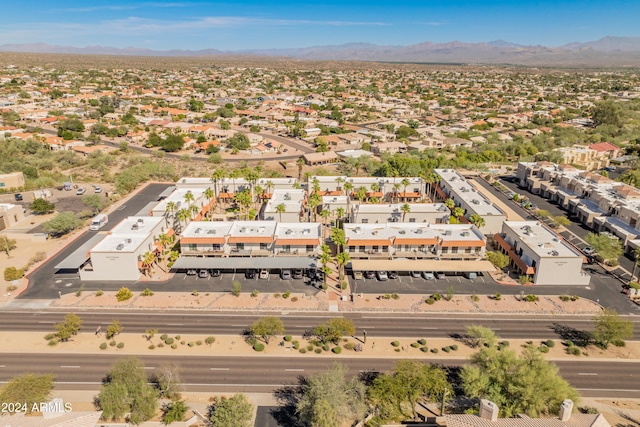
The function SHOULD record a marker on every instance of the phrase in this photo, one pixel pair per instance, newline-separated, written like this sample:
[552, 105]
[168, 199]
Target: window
[454, 250]
[444, 251]
[193, 246]
[216, 247]
[264, 247]
[412, 220]
[375, 248]
[310, 248]
[352, 249]
[365, 221]
[467, 250]
[240, 246]
[361, 249]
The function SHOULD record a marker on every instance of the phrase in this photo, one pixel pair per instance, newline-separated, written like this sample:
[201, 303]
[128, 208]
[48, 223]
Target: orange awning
[463, 243]
[420, 241]
[170, 232]
[226, 195]
[202, 240]
[503, 243]
[526, 269]
[250, 239]
[368, 242]
[298, 242]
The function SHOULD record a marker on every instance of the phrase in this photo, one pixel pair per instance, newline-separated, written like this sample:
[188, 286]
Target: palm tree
[430, 178]
[234, 174]
[165, 240]
[339, 181]
[252, 177]
[300, 163]
[314, 201]
[636, 262]
[396, 187]
[188, 197]
[450, 204]
[342, 258]
[147, 262]
[405, 210]
[458, 212]
[340, 213]
[361, 194]
[375, 187]
[280, 209]
[315, 185]
[183, 215]
[405, 183]
[170, 211]
[338, 238]
[243, 199]
[209, 194]
[348, 188]
[477, 220]
[216, 176]
[194, 210]
[269, 186]
[324, 214]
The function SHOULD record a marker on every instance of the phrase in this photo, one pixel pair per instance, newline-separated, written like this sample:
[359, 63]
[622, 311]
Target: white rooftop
[540, 239]
[7, 206]
[253, 228]
[291, 199]
[467, 192]
[178, 198]
[397, 207]
[120, 243]
[207, 229]
[468, 232]
[293, 230]
[139, 225]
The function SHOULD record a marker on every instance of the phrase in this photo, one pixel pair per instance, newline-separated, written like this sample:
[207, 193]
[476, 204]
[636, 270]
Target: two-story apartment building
[435, 213]
[455, 186]
[538, 252]
[285, 205]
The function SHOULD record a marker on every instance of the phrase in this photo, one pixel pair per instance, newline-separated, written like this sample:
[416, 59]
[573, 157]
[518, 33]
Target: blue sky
[255, 24]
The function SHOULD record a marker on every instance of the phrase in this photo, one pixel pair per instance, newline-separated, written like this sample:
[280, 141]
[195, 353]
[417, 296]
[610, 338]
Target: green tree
[41, 206]
[334, 329]
[13, 273]
[168, 381]
[405, 208]
[610, 328]
[280, 209]
[395, 395]
[608, 112]
[95, 201]
[526, 384]
[480, 336]
[561, 220]
[608, 247]
[498, 259]
[342, 258]
[477, 220]
[70, 327]
[174, 411]
[27, 390]
[127, 391]
[235, 411]
[114, 329]
[328, 399]
[267, 327]
[239, 141]
[173, 143]
[458, 213]
[62, 223]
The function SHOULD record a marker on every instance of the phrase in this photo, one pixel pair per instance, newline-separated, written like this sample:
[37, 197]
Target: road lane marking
[70, 366]
[175, 324]
[588, 373]
[294, 370]
[219, 369]
[45, 321]
[3, 366]
[429, 328]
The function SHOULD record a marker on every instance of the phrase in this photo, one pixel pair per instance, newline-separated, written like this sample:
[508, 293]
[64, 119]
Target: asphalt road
[45, 284]
[375, 324]
[267, 374]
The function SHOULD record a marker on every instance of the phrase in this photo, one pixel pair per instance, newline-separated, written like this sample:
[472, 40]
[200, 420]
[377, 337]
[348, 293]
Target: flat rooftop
[397, 207]
[253, 228]
[457, 232]
[177, 197]
[544, 242]
[120, 243]
[463, 190]
[138, 225]
[207, 229]
[298, 230]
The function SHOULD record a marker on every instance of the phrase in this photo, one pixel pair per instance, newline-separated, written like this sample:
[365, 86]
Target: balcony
[202, 252]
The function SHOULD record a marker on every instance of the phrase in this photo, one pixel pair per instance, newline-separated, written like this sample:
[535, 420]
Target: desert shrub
[415, 344]
[13, 273]
[304, 350]
[112, 344]
[349, 346]
[295, 344]
[422, 341]
[550, 343]
[103, 346]
[397, 350]
[318, 350]
[565, 297]
[618, 343]
[124, 294]
[325, 347]
[11, 288]
[178, 337]
[310, 347]
[191, 344]
[169, 341]
[52, 343]
[497, 296]
[434, 350]
[276, 295]
[49, 336]
[164, 337]
[454, 347]
[386, 296]
[395, 296]
[337, 350]
[195, 293]
[575, 297]
[446, 349]
[209, 340]
[569, 343]
[120, 345]
[99, 293]
[424, 349]
[174, 346]
[574, 350]
[430, 301]
[531, 298]
[294, 299]
[151, 347]
[437, 297]
[160, 345]
[286, 295]
[287, 338]
[199, 342]
[147, 292]
[183, 342]
[543, 349]
[588, 410]
[475, 298]
[255, 293]
[395, 343]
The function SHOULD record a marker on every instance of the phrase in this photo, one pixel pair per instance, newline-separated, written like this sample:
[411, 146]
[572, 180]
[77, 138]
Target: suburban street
[297, 323]
[238, 374]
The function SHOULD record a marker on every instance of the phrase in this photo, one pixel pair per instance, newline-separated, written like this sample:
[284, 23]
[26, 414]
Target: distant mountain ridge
[607, 51]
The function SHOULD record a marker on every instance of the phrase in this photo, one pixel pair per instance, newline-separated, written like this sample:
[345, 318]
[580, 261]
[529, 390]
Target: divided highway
[265, 374]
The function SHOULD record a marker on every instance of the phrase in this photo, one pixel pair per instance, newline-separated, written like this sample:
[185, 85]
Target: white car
[97, 189]
[264, 274]
[382, 275]
[80, 191]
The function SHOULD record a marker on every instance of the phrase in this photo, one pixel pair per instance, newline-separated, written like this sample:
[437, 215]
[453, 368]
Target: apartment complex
[435, 213]
[584, 156]
[536, 251]
[454, 186]
[391, 190]
[597, 201]
[285, 206]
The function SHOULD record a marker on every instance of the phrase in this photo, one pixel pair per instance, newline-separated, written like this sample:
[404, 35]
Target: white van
[98, 222]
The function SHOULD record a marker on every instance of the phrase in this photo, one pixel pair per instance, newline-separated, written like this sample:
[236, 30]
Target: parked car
[369, 274]
[97, 189]
[357, 275]
[264, 274]
[203, 274]
[393, 274]
[471, 275]
[250, 274]
[80, 191]
[439, 274]
[191, 272]
[298, 273]
[214, 272]
[589, 251]
[285, 274]
[382, 276]
[414, 274]
[18, 197]
[427, 275]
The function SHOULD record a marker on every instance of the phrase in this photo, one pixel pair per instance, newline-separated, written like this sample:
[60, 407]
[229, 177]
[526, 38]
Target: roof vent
[141, 220]
[120, 247]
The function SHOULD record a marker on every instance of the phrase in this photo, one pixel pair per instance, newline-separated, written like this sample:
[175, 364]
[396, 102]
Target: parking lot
[405, 284]
[224, 283]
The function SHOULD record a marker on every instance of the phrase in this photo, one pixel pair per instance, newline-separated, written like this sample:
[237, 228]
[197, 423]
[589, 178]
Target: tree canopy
[267, 327]
[127, 391]
[607, 246]
[62, 223]
[27, 390]
[610, 328]
[329, 399]
[41, 206]
[235, 411]
[334, 329]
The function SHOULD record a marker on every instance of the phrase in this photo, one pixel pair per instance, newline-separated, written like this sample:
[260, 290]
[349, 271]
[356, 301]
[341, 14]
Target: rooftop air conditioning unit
[134, 226]
[141, 220]
[119, 247]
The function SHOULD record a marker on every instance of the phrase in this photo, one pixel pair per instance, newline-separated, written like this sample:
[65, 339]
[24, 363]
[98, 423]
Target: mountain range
[607, 51]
